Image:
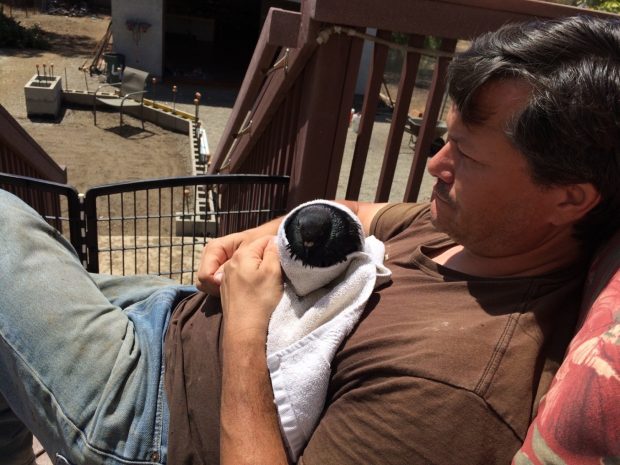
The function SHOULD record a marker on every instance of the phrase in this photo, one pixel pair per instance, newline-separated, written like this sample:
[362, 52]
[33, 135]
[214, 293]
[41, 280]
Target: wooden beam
[324, 119]
[22, 145]
[271, 96]
[278, 31]
[399, 119]
[455, 19]
[426, 134]
[369, 110]
[282, 27]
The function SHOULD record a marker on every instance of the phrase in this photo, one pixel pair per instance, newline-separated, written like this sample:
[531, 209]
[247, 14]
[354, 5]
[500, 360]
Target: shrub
[14, 35]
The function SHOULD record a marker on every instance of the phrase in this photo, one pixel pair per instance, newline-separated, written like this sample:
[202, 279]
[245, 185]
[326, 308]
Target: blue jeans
[81, 355]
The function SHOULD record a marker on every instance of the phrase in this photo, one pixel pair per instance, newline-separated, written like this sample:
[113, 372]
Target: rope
[322, 37]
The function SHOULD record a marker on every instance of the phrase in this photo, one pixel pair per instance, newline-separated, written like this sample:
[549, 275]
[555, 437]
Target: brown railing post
[369, 110]
[280, 30]
[323, 122]
[20, 154]
[431, 115]
[399, 119]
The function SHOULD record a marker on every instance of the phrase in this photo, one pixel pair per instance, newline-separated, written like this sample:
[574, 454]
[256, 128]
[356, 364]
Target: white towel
[319, 308]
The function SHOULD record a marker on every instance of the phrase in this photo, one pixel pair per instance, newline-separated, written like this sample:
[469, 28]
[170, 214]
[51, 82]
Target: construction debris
[62, 8]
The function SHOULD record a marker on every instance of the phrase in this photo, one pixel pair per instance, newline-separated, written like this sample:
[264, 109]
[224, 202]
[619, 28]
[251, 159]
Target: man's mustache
[442, 190]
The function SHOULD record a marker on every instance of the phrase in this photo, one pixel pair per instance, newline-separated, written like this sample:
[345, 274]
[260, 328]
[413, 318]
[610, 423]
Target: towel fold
[319, 308]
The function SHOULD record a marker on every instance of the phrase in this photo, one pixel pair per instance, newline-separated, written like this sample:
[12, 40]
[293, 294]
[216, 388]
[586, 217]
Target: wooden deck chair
[130, 93]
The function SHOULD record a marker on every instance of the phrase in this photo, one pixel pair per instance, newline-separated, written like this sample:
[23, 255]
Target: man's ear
[574, 202]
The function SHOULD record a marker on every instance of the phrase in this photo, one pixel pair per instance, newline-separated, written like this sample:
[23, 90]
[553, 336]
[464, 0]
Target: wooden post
[324, 119]
[427, 130]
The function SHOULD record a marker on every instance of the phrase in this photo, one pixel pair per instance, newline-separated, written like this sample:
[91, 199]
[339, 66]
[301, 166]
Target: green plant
[432, 42]
[611, 6]
[14, 35]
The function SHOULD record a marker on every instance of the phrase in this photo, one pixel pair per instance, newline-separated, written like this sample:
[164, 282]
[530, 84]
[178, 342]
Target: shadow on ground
[127, 131]
[69, 45]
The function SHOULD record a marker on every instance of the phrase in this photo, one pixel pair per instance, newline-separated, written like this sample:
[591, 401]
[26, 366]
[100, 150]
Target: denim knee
[82, 369]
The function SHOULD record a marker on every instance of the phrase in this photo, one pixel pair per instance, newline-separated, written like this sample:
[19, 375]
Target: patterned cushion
[578, 421]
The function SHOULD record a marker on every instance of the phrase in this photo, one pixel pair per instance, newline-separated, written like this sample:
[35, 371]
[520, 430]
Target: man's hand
[215, 254]
[251, 289]
[218, 251]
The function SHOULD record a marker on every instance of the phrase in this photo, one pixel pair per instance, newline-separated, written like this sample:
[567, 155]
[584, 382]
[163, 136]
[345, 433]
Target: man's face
[484, 197]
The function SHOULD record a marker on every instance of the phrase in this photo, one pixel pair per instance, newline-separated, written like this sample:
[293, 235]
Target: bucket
[114, 64]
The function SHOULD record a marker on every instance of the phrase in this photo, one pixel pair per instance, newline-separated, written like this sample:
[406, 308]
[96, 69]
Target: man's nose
[441, 165]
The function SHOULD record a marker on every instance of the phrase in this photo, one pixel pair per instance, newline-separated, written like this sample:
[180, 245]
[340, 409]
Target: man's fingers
[252, 284]
[254, 253]
[207, 279]
[265, 245]
[219, 274]
[271, 254]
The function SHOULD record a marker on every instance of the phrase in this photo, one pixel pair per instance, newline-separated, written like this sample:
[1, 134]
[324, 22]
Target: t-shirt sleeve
[410, 420]
[395, 218]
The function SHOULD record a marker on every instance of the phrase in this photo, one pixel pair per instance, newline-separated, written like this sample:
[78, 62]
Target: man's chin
[435, 221]
[438, 217]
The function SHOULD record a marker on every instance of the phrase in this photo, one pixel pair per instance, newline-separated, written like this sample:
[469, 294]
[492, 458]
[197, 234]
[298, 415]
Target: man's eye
[458, 151]
[461, 153]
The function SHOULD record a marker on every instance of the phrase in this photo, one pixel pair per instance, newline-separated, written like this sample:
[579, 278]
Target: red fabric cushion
[578, 421]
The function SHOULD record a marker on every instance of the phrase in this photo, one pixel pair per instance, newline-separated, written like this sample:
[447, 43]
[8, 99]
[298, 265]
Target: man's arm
[218, 251]
[365, 211]
[251, 289]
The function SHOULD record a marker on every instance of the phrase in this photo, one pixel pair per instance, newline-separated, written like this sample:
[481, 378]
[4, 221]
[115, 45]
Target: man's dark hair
[569, 131]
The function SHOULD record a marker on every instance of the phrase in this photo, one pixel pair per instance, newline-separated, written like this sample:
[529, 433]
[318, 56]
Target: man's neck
[532, 263]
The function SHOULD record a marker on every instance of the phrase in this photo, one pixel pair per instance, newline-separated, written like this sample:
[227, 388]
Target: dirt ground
[92, 155]
[95, 155]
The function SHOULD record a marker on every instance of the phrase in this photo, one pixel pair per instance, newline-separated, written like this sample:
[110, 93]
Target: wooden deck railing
[292, 114]
[20, 154]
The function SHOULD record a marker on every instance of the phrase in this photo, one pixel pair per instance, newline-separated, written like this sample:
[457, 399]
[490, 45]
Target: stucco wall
[142, 49]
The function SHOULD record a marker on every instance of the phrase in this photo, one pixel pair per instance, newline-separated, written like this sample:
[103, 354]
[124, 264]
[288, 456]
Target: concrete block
[167, 120]
[43, 96]
[191, 225]
[77, 97]
[161, 115]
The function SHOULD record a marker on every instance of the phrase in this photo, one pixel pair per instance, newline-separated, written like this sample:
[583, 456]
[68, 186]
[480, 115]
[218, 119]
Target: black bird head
[322, 235]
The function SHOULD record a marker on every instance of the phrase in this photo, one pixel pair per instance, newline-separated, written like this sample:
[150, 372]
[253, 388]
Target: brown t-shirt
[443, 367]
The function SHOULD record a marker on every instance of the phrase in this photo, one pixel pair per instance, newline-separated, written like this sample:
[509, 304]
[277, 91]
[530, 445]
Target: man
[448, 362]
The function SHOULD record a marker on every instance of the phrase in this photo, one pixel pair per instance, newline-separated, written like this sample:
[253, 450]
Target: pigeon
[321, 235]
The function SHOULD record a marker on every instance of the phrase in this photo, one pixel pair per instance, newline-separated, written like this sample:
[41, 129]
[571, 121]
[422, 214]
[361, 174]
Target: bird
[322, 235]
